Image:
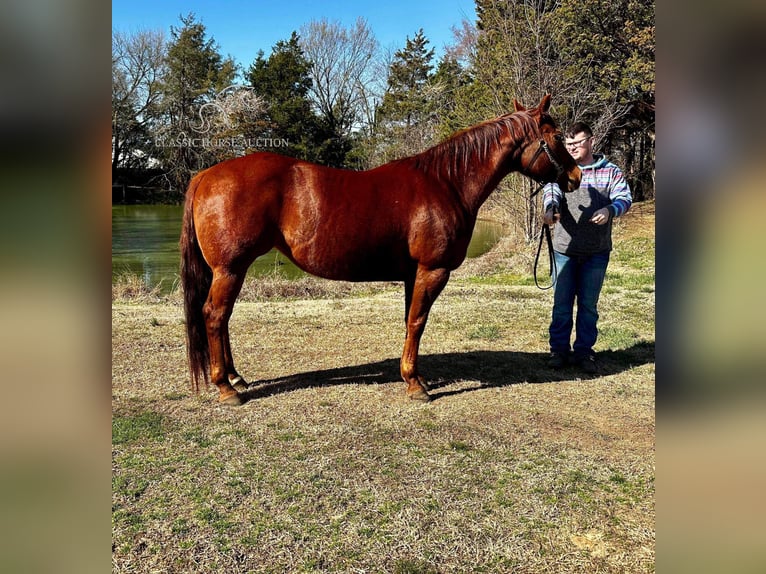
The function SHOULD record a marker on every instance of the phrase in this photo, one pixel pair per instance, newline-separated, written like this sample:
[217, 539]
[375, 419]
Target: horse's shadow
[489, 368]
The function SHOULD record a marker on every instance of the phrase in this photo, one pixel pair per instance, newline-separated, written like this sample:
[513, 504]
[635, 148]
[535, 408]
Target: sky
[241, 28]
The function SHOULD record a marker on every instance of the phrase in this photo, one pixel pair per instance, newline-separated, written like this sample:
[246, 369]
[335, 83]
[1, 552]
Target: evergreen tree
[406, 101]
[196, 72]
[454, 96]
[283, 80]
[609, 45]
[406, 116]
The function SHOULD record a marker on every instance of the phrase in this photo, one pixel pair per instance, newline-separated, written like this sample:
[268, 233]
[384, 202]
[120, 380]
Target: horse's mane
[452, 157]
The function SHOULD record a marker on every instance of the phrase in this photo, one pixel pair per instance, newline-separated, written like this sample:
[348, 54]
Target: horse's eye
[558, 138]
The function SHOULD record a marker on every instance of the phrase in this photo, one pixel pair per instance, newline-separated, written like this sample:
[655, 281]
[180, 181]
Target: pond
[145, 243]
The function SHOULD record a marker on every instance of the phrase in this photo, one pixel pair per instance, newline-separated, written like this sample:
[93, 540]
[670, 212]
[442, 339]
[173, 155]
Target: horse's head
[544, 158]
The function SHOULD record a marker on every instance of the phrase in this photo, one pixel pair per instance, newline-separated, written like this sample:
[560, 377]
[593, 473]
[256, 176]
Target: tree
[463, 48]
[341, 64]
[610, 49]
[405, 119]
[406, 99]
[454, 96]
[283, 80]
[516, 51]
[517, 56]
[196, 73]
[137, 66]
[610, 46]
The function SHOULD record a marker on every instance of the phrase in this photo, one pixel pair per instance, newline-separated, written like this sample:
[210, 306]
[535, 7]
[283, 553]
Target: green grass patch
[627, 280]
[506, 278]
[618, 336]
[486, 332]
[459, 446]
[145, 426]
[636, 253]
[197, 436]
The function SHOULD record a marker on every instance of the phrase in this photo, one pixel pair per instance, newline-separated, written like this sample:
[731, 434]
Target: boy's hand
[600, 217]
[550, 217]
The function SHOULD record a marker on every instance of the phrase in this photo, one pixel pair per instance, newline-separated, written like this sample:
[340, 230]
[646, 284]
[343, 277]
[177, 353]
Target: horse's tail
[196, 278]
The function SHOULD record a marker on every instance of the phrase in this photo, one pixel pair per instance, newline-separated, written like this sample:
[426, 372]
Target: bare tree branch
[342, 75]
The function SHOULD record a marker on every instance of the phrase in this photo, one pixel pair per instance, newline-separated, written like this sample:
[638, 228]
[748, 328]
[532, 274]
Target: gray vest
[574, 234]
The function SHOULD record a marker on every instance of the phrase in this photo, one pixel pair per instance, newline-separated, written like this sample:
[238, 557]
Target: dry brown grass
[329, 468]
[129, 287]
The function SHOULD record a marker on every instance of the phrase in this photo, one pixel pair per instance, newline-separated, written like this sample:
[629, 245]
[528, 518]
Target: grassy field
[329, 468]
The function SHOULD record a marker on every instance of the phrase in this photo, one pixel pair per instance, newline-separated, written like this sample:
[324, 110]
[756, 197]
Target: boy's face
[580, 146]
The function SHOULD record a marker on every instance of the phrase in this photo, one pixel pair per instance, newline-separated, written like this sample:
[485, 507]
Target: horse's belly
[353, 263]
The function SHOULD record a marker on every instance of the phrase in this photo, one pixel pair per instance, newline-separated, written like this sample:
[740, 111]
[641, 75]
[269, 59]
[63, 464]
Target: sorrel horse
[409, 220]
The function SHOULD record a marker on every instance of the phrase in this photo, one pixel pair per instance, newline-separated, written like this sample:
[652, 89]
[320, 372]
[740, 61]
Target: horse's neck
[475, 190]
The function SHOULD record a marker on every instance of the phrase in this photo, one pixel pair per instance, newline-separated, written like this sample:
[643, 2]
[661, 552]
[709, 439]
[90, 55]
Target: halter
[544, 147]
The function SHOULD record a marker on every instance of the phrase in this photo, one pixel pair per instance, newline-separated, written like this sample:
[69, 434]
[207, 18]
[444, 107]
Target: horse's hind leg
[235, 379]
[218, 308]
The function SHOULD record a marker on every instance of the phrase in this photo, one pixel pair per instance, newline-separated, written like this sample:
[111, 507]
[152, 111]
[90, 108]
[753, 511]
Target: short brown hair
[578, 127]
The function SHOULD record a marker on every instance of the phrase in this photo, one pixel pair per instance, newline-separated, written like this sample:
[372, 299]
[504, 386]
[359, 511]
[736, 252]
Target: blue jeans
[580, 278]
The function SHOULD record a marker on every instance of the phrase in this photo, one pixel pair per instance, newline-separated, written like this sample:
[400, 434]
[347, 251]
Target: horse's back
[242, 174]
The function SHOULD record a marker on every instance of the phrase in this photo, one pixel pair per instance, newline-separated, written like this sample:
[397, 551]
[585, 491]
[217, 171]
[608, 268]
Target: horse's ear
[517, 106]
[545, 103]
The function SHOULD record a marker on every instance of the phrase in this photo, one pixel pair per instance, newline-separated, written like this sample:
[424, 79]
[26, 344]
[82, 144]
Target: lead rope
[546, 231]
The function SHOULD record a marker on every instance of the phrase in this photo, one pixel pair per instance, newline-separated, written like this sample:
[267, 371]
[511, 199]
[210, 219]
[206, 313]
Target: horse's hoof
[239, 384]
[420, 395]
[234, 400]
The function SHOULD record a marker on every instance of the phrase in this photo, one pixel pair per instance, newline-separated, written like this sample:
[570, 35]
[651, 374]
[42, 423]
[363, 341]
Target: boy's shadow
[490, 368]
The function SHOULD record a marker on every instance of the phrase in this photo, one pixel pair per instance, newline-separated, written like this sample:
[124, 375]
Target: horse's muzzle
[573, 179]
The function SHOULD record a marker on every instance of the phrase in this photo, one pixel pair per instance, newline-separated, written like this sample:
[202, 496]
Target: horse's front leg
[421, 292]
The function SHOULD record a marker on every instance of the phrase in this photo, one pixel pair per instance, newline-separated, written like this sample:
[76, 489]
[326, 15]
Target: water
[145, 243]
